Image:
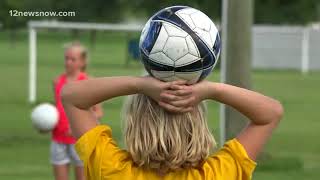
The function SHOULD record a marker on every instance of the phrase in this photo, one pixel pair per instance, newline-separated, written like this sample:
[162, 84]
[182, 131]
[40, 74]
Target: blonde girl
[166, 131]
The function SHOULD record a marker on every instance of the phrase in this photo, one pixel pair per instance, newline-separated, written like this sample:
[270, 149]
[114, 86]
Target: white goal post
[33, 26]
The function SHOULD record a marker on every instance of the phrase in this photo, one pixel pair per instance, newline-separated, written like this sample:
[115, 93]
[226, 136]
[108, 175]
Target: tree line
[265, 11]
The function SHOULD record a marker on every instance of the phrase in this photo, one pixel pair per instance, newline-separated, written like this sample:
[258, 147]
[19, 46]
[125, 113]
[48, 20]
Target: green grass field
[293, 151]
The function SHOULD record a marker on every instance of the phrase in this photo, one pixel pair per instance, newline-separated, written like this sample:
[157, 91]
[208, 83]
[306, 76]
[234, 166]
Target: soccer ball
[180, 43]
[44, 117]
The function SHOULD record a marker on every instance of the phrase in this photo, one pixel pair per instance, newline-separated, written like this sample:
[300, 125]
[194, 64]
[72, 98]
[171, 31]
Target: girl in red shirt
[62, 146]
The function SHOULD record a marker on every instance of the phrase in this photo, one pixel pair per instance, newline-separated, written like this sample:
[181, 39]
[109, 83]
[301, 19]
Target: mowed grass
[292, 153]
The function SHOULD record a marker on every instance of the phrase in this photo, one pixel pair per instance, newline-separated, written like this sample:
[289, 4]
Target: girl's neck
[72, 75]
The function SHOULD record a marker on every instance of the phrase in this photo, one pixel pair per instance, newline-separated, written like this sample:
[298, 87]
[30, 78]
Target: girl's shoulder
[58, 78]
[232, 159]
[83, 76]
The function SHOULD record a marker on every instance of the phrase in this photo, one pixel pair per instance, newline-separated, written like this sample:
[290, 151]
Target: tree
[210, 7]
[286, 11]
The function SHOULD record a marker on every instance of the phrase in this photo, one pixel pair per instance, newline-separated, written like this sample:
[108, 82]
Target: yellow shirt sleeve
[97, 149]
[231, 162]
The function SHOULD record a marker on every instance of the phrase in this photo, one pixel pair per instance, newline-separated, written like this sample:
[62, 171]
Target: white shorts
[64, 154]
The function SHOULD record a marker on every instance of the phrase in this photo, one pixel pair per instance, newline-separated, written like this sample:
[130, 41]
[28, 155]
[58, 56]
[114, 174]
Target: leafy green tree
[211, 7]
[266, 11]
[286, 11]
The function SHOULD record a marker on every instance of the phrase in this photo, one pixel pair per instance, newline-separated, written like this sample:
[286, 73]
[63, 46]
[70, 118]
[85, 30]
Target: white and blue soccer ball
[180, 43]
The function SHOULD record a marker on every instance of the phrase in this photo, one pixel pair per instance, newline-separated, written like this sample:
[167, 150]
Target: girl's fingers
[183, 103]
[174, 109]
[169, 107]
[168, 85]
[179, 82]
[178, 101]
[169, 97]
[182, 92]
[177, 87]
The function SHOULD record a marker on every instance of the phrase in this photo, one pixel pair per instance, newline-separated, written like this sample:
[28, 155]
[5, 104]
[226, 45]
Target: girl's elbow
[272, 114]
[99, 116]
[278, 111]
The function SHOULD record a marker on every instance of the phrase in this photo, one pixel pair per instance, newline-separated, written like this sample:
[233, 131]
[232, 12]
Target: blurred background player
[62, 145]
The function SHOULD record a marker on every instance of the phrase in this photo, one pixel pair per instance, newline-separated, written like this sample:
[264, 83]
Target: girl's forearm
[258, 108]
[84, 94]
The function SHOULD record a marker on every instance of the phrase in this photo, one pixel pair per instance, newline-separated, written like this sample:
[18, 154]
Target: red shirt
[60, 133]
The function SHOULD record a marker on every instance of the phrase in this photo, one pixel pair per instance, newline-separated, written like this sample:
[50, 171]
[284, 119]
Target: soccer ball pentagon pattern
[180, 43]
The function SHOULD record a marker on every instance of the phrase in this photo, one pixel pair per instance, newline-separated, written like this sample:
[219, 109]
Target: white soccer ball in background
[44, 117]
[180, 42]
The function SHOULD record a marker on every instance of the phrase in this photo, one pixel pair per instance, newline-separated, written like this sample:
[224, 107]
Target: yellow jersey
[103, 159]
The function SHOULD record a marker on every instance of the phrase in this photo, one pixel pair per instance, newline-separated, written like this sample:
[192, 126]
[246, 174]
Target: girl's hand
[152, 87]
[185, 96]
[155, 88]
